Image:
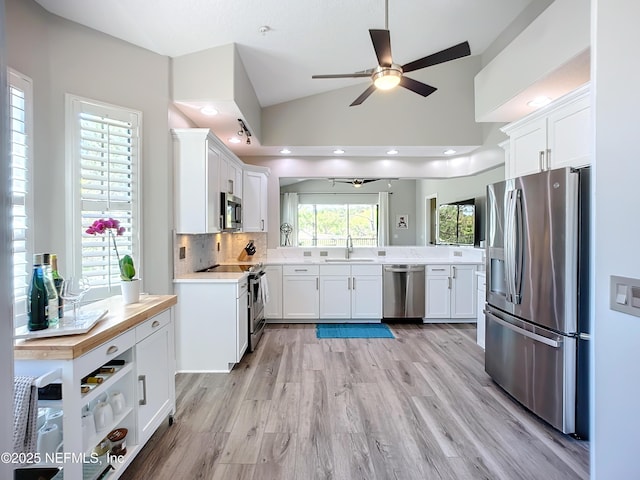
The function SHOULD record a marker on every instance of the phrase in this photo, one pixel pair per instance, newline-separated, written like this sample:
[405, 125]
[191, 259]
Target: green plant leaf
[127, 270]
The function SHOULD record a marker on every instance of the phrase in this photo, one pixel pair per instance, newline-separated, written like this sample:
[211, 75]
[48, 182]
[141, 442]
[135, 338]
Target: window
[325, 225]
[456, 223]
[20, 127]
[105, 154]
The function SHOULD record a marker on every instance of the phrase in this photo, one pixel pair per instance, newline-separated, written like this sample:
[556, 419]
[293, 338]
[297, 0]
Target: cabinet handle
[143, 379]
[348, 283]
[230, 186]
[300, 270]
[155, 324]
[437, 269]
[449, 287]
[454, 271]
[262, 228]
[317, 283]
[548, 159]
[353, 283]
[112, 349]
[541, 160]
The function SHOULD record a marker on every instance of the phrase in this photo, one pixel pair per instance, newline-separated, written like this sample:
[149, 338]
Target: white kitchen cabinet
[300, 292]
[144, 348]
[231, 177]
[555, 136]
[196, 169]
[273, 308]
[255, 201]
[481, 298]
[211, 325]
[153, 360]
[450, 292]
[350, 292]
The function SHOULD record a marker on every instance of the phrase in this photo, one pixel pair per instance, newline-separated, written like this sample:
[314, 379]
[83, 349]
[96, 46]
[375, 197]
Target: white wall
[64, 57]
[616, 336]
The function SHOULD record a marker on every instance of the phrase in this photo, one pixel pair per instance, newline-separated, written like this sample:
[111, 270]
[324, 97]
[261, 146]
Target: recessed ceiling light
[539, 102]
[338, 151]
[451, 151]
[285, 151]
[234, 140]
[393, 151]
[209, 111]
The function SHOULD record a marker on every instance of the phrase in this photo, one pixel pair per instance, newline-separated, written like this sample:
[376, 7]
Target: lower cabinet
[350, 292]
[211, 325]
[136, 391]
[300, 292]
[155, 389]
[451, 292]
[273, 308]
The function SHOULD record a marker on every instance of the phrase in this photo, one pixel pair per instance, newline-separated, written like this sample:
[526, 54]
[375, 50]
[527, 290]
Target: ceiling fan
[356, 182]
[388, 74]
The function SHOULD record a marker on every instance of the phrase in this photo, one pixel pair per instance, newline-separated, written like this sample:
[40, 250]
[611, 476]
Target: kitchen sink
[348, 260]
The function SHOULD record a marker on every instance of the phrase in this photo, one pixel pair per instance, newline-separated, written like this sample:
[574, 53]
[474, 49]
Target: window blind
[107, 163]
[20, 121]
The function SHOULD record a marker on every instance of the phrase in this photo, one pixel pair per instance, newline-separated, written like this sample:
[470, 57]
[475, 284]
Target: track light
[244, 131]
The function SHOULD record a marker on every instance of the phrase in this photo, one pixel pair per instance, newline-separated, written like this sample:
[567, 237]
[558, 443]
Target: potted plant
[130, 286]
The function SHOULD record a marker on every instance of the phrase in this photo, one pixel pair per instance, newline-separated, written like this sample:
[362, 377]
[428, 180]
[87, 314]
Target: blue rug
[353, 330]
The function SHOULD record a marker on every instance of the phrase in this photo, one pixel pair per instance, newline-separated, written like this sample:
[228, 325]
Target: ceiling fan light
[385, 78]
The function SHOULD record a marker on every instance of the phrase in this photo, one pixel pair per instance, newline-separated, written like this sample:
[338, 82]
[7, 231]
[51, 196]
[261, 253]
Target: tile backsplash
[208, 249]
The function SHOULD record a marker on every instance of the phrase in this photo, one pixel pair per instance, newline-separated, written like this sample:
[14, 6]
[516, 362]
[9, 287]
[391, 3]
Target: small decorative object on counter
[52, 293]
[130, 286]
[117, 439]
[38, 300]
[57, 281]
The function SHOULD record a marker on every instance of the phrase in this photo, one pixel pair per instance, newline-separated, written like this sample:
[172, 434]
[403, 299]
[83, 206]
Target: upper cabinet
[558, 135]
[197, 195]
[254, 203]
[205, 167]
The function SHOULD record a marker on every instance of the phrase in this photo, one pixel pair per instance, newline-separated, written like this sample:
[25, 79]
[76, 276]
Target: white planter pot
[130, 291]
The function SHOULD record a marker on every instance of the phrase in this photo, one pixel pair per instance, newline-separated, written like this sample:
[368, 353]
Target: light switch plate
[624, 295]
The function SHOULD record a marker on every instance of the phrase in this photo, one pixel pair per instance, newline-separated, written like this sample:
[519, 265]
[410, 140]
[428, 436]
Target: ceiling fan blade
[382, 46]
[343, 75]
[416, 86]
[451, 53]
[364, 95]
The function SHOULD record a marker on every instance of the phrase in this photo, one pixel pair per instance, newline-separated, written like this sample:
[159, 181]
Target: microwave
[230, 212]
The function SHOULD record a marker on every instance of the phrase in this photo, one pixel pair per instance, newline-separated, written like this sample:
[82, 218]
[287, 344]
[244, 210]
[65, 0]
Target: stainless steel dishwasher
[404, 291]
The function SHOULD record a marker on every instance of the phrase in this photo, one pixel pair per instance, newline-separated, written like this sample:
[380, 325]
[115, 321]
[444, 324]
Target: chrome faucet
[349, 247]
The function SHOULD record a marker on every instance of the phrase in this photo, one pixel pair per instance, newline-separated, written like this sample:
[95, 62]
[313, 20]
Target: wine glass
[73, 290]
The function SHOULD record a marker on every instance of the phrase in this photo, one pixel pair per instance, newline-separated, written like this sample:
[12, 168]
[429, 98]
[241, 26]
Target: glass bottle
[57, 281]
[52, 293]
[38, 300]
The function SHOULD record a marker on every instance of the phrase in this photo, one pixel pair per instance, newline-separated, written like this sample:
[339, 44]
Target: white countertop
[211, 277]
[376, 261]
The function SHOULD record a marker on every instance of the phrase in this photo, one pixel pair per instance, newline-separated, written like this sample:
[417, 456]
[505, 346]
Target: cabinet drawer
[301, 270]
[154, 324]
[438, 270]
[107, 351]
[366, 270]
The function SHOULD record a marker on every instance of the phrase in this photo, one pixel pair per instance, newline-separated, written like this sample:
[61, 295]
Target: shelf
[102, 387]
[90, 443]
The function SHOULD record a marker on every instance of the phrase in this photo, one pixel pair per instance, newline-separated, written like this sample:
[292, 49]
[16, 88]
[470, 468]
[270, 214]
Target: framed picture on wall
[402, 221]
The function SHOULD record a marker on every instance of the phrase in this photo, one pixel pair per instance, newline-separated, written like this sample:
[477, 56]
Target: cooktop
[230, 268]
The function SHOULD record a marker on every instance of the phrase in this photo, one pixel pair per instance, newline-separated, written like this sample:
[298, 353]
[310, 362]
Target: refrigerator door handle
[509, 246]
[518, 249]
[526, 333]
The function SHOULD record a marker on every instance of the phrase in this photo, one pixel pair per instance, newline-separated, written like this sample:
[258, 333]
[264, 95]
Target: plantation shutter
[20, 127]
[108, 171]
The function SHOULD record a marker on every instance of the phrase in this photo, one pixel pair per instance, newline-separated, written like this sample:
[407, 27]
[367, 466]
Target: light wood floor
[416, 407]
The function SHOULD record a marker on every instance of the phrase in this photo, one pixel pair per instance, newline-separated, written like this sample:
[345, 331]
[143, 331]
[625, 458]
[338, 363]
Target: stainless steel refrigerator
[537, 311]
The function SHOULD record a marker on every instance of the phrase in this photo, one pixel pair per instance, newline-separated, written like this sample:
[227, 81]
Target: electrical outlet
[457, 253]
[324, 253]
[183, 253]
[382, 253]
[306, 254]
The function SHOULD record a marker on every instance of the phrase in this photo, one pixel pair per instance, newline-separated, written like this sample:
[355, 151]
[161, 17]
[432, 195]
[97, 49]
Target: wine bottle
[57, 281]
[38, 300]
[52, 293]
